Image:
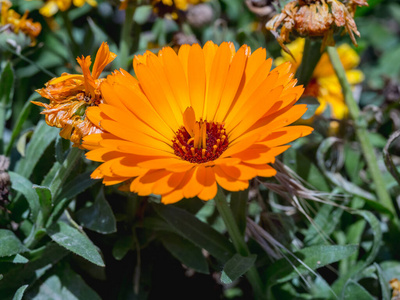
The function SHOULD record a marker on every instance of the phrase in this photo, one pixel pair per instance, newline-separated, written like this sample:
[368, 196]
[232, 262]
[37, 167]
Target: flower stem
[68, 27]
[238, 241]
[126, 40]
[361, 132]
[311, 55]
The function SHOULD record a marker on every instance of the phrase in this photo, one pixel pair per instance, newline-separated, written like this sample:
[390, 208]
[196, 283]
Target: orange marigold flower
[71, 94]
[194, 119]
[315, 18]
[16, 23]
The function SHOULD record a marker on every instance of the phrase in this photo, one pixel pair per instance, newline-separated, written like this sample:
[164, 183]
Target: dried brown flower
[315, 18]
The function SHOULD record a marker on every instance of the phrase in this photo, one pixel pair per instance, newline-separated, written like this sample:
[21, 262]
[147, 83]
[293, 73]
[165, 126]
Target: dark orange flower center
[312, 88]
[199, 141]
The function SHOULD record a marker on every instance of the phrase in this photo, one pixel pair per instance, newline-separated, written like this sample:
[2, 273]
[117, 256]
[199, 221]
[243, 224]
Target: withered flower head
[315, 18]
[12, 21]
[71, 94]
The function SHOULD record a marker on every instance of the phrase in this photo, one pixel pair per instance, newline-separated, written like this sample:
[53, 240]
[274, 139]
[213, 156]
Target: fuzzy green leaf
[71, 239]
[306, 259]
[199, 233]
[6, 84]
[183, 250]
[63, 284]
[20, 292]
[10, 244]
[98, 217]
[355, 291]
[236, 267]
[43, 136]
[24, 186]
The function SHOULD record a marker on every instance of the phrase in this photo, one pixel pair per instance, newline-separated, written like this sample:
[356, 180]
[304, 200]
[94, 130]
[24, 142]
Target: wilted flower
[315, 18]
[51, 7]
[12, 21]
[194, 119]
[71, 94]
[324, 84]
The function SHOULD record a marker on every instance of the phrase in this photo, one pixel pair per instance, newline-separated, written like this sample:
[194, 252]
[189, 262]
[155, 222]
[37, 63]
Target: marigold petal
[103, 58]
[197, 79]
[229, 183]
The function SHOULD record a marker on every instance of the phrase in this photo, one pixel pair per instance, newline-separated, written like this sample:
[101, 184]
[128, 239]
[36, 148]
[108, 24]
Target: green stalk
[311, 55]
[238, 241]
[361, 132]
[2, 123]
[68, 26]
[126, 39]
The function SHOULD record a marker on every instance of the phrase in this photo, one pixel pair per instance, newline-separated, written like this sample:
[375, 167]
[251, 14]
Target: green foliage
[73, 240]
[315, 231]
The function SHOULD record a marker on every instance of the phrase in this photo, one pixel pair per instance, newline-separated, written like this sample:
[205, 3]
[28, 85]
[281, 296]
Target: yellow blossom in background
[194, 119]
[51, 7]
[16, 23]
[171, 7]
[324, 84]
[71, 94]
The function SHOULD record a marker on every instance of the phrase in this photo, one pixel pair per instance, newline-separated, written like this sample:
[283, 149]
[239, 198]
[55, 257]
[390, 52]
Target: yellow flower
[324, 84]
[51, 7]
[194, 119]
[11, 18]
[172, 7]
[71, 94]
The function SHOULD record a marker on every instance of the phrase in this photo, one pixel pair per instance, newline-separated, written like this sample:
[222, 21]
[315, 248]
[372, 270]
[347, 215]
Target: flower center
[312, 88]
[199, 141]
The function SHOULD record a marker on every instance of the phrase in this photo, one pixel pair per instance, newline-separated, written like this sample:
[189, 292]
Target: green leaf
[25, 187]
[312, 105]
[388, 158]
[6, 84]
[306, 259]
[98, 217]
[236, 267]
[15, 259]
[199, 233]
[23, 115]
[384, 284]
[40, 261]
[335, 177]
[238, 206]
[324, 224]
[10, 244]
[356, 271]
[74, 241]
[20, 292]
[43, 136]
[355, 291]
[64, 284]
[186, 252]
[142, 14]
[65, 170]
[45, 200]
[122, 246]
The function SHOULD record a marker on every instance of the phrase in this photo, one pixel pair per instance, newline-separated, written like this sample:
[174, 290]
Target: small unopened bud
[199, 15]
[180, 39]
[4, 181]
